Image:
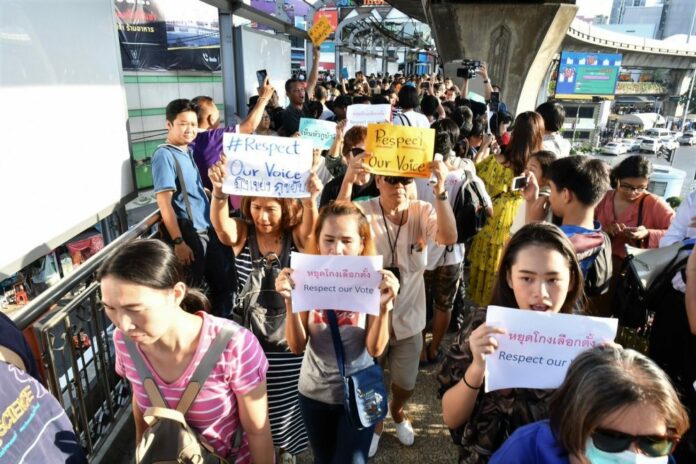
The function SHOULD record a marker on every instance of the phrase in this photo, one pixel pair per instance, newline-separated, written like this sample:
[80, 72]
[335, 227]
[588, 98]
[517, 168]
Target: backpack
[168, 438]
[258, 307]
[468, 209]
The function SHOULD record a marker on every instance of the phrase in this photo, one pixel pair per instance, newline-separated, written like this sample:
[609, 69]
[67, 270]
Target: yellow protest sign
[320, 31]
[399, 150]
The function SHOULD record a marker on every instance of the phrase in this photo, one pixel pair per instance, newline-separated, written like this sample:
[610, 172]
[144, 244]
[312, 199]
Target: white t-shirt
[439, 255]
[326, 113]
[410, 253]
[411, 118]
[556, 144]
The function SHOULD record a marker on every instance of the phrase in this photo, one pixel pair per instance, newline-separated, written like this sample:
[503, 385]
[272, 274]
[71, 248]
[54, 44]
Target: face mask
[597, 456]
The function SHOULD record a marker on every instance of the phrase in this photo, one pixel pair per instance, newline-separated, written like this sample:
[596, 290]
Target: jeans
[333, 438]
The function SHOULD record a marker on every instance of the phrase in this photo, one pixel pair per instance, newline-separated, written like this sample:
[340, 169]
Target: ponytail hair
[152, 264]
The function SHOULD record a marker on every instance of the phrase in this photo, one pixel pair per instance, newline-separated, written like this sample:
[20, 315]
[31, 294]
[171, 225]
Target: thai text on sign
[267, 166]
[539, 346]
[363, 114]
[347, 283]
[320, 31]
[399, 150]
[321, 133]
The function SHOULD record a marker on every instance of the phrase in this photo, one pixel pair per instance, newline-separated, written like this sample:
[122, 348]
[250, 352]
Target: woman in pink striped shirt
[144, 296]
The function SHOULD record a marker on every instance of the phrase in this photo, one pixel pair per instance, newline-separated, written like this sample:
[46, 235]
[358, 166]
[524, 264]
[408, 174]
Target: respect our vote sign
[266, 166]
[345, 283]
[321, 133]
[539, 346]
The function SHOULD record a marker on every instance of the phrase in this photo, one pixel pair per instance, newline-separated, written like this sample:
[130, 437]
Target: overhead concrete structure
[517, 39]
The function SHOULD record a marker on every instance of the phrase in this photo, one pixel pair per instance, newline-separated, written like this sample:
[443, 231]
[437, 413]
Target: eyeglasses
[357, 151]
[631, 188]
[654, 446]
[393, 180]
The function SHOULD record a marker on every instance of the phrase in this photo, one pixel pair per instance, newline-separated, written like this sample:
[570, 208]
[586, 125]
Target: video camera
[468, 69]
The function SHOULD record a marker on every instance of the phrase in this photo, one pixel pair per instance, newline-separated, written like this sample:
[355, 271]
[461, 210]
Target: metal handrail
[42, 303]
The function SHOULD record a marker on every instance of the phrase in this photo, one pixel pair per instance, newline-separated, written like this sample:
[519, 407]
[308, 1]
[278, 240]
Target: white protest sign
[321, 133]
[266, 166]
[347, 283]
[363, 114]
[539, 346]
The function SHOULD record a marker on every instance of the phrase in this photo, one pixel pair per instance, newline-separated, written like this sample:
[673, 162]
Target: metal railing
[76, 346]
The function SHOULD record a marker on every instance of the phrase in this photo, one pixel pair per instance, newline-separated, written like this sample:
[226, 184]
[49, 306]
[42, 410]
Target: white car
[689, 138]
[669, 143]
[650, 144]
[632, 144]
[613, 148]
[675, 134]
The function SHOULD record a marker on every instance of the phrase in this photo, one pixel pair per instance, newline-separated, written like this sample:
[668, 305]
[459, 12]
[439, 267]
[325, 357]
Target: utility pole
[691, 29]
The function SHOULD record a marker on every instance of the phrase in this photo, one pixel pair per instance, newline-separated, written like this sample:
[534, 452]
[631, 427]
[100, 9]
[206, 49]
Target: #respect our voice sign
[345, 283]
[539, 346]
[266, 166]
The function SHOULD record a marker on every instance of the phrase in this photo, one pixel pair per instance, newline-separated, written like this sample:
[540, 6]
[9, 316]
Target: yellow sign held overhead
[320, 31]
[399, 150]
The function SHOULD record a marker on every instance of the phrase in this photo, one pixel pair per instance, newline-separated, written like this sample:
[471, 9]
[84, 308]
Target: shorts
[402, 358]
[441, 286]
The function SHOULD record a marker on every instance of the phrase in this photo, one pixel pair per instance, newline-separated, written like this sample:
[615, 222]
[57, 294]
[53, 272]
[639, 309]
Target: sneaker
[374, 444]
[286, 458]
[404, 432]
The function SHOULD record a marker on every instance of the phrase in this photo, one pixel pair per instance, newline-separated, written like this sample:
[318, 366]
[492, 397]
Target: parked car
[613, 148]
[689, 138]
[675, 134]
[650, 144]
[669, 143]
[632, 144]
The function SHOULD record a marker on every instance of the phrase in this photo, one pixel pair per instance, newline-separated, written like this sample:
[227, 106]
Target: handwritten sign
[347, 283]
[399, 150]
[320, 31]
[321, 133]
[266, 166]
[362, 115]
[539, 346]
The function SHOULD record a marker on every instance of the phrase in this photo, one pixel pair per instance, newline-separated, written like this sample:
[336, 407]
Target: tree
[692, 104]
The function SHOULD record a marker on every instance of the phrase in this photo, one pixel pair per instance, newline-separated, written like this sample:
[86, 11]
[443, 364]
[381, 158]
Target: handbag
[364, 394]
[648, 264]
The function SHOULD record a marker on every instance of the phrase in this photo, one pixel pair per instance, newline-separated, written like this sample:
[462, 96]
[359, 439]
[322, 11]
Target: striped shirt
[214, 414]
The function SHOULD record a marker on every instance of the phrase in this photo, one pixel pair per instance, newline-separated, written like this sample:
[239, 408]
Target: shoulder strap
[403, 116]
[205, 367]
[251, 241]
[337, 342]
[640, 210]
[287, 248]
[182, 184]
[145, 375]
[11, 357]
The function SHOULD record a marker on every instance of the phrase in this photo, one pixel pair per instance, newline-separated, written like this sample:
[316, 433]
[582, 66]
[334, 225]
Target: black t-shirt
[291, 118]
[360, 192]
[12, 338]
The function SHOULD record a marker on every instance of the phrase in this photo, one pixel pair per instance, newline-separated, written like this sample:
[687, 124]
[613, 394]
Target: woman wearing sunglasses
[363, 182]
[614, 406]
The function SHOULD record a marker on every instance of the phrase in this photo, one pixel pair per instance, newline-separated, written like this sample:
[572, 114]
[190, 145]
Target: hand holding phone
[261, 77]
[519, 183]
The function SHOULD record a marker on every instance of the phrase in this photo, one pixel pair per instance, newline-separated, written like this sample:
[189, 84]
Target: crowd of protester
[555, 244]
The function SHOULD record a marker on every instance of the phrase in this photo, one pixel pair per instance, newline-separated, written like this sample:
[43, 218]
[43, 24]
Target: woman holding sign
[262, 242]
[539, 271]
[614, 406]
[342, 229]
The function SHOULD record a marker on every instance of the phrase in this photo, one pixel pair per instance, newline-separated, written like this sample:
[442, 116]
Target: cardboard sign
[399, 150]
[321, 133]
[266, 166]
[347, 283]
[320, 31]
[344, 73]
[363, 114]
[539, 346]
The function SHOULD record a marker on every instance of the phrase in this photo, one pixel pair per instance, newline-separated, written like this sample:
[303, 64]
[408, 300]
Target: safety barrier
[76, 346]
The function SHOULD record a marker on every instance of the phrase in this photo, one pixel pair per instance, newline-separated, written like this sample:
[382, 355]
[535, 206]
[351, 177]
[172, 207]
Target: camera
[468, 69]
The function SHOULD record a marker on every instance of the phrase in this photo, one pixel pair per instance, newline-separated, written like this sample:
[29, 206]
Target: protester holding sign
[342, 229]
[270, 229]
[401, 228]
[538, 271]
[615, 406]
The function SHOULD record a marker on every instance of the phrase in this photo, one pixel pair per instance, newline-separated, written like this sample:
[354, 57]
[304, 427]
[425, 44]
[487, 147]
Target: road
[685, 159]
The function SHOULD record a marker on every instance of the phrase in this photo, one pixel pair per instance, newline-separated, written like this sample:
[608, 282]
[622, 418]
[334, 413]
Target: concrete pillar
[681, 80]
[518, 41]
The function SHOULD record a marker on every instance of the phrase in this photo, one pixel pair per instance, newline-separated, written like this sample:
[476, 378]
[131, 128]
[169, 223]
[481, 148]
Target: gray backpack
[168, 438]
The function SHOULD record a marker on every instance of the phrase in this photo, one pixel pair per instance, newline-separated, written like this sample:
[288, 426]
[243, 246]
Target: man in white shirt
[553, 115]
[408, 100]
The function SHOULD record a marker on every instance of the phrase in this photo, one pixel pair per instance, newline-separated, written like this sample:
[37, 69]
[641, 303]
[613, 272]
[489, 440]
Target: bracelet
[486, 81]
[221, 198]
[469, 385]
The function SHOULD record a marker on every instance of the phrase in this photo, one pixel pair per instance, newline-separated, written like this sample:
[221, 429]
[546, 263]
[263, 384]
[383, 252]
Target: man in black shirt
[299, 95]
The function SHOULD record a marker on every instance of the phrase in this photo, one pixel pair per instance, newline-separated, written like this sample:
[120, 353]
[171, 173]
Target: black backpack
[469, 210]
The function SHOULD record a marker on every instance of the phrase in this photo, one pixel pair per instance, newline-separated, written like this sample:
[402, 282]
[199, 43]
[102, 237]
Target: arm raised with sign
[446, 224]
[378, 326]
[230, 231]
[313, 73]
[310, 212]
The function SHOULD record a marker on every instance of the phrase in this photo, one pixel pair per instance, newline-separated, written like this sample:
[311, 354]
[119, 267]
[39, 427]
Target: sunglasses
[393, 180]
[654, 446]
[357, 151]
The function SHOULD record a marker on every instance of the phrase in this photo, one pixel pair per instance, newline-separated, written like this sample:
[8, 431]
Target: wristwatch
[441, 196]
[179, 240]
[486, 81]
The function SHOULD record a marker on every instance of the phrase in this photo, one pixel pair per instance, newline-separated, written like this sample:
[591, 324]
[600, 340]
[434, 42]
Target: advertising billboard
[584, 75]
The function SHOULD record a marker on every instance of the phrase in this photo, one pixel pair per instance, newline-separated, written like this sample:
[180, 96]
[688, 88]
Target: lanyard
[392, 247]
